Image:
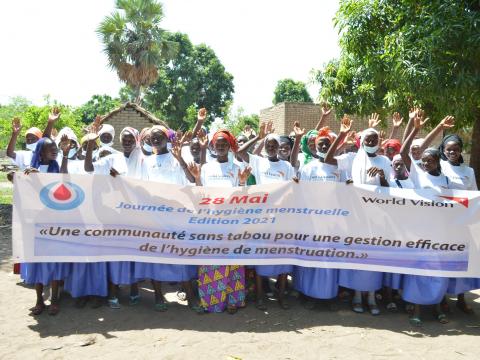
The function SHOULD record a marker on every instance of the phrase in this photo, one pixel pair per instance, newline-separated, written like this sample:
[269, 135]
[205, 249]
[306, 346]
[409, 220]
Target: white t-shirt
[345, 163]
[461, 177]
[75, 166]
[117, 161]
[379, 161]
[164, 168]
[220, 174]
[43, 169]
[423, 180]
[318, 171]
[268, 172]
[402, 184]
[22, 159]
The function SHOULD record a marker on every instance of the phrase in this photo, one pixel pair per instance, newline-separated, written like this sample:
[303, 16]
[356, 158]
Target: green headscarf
[304, 145]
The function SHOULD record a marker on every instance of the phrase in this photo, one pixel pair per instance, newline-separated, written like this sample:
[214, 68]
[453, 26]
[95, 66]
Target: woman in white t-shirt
[461, 177]
[166, 167]
[221, 287]
[371, 169]
[129, 163]
[424, 290]
[267, 171]
[22, 158]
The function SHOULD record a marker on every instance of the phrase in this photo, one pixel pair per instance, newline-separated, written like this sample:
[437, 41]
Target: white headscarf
[273, 137]
[360, 162]
[70, 134]
[107, 129]
[136, 158]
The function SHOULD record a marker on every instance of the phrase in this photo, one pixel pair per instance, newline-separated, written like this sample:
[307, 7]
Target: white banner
[82, 218]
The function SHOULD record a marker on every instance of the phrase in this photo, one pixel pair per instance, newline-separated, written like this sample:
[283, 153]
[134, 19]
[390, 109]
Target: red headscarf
[393, 143]
[228, 136]
[324, 132]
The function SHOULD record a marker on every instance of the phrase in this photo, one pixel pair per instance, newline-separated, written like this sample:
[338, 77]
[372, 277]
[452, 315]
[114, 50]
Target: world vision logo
[461, 200]
[62, 196]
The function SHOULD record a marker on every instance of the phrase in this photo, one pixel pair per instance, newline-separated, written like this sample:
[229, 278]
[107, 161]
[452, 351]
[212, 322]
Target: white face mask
[72, 153]
[109, 144]
[370, 149]
[147, 148]
[321, 155]
[31, 147]
[84, 152]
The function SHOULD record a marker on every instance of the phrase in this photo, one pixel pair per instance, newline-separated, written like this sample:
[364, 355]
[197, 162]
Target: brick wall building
[285, 114]
[130, 114]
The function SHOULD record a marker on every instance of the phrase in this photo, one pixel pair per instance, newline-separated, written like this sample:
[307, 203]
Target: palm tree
[135, 44]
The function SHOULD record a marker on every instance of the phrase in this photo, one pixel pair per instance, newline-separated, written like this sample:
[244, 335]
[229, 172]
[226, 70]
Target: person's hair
[435, 153]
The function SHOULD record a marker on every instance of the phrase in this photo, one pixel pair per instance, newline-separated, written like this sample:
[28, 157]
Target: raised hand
[269, 129]
[202, 114]
[176, 150]
[186, 137]
[299, 132]
[397, 120]
[16, 125]
[54, 115]
[448, 122]
[419, 121]
[374, 120]
[345, 125]
[65, 144]
[326, 110]
[195, 170]
[374, 171]
[114, 172]
[244, 174]
[202, 139]
[412, 113]
[262, 130]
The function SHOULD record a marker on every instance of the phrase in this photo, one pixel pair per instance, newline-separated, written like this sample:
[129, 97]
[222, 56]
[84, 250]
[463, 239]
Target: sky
[50, 46]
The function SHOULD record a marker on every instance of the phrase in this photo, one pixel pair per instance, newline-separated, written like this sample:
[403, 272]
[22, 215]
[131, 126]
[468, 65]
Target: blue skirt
[121, 272]
[460, 285]
[165, 272]
[393, 280]
[360, 280]
[273, 270]
[87, 279]
[424, 290]
[44, 273]
[318, 283]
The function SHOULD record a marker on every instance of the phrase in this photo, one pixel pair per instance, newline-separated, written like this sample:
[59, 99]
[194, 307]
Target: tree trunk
[475, 154]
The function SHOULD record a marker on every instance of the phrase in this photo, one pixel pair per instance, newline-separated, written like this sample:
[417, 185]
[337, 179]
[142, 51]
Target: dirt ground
[141, 333]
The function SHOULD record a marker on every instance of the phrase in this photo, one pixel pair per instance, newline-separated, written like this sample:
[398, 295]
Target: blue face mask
[321, 155]
[370, 149]
[72, 153]
[147, 148]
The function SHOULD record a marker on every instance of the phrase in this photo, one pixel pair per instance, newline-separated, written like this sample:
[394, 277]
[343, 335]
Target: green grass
[6, 193]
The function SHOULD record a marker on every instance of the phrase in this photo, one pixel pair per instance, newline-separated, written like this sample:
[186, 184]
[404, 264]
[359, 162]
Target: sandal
[161, 307]
[415, 321]
[442, 318]
[464, 307]
[260, 305]
[392, 307]
[53, 309]
[114, 303]
[134, 300]
[38, 309]
[358, 308]
[374, 310]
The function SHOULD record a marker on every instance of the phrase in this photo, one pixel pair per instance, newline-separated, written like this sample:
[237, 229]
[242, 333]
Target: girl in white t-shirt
[22, 158]
[267, 171]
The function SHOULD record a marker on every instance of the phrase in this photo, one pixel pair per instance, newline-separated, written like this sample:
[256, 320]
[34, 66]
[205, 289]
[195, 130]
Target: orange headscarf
[324, 132]
[228, 136]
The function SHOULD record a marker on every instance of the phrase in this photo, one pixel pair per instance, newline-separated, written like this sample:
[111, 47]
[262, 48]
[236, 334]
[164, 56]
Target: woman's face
[195, 148]
[49, 151]
[453, 152]
[416, 152]
[399, 167]
[147, 140]
[221, 147]
[370, 140]
[106, 138]
[158, 140]
[31, 139]
[430, 163]
[128, 142]
[311, 144]
[271, 148]
[323, 144]
[284, 150]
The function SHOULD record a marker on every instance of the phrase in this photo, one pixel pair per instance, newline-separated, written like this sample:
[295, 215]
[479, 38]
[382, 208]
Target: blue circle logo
[62, 196]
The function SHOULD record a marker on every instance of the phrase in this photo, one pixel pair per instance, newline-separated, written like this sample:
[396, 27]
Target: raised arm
[345, 127]
[299, 132]
[408, 129]
[16, 127]
[243, 151]
[52, 118]
[447, 123]
[201, 116]
[195, 171]
[418, 122]
[91, 138]
[325, 112]
[203, 141]
[64, 148]
[177, 154]
[397, 121]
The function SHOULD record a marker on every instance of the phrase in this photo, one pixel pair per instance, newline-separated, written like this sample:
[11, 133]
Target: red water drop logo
[62, 193]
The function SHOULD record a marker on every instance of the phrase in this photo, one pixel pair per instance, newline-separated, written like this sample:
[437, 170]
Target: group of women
[198, 158]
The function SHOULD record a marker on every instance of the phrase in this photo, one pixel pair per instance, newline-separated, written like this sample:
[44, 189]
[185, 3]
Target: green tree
[135, 43]
[396, 53]
[195, 78]
[291, 90]
[97, 105]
